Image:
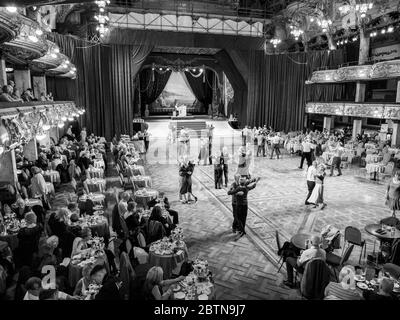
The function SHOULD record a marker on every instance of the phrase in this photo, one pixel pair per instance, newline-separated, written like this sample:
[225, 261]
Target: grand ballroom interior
[199, 150]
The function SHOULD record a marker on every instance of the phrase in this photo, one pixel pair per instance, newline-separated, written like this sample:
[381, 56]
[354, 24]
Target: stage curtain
[202, 86]
[152, 87]
[63, 89]
[105, 83]
[277, 93]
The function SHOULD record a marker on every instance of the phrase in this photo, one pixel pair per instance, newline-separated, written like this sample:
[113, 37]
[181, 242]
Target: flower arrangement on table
[200, 269]
[96, 243]
[93, 220]
[177, 235]
[12, 224]
[91, 291]
[164, 246]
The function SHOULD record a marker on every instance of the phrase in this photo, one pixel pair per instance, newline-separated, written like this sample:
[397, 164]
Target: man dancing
[239, 190]
[311, 173]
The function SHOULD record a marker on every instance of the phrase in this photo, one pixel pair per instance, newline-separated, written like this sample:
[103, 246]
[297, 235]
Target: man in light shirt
[299, 264]
[244, 135]
[260, 143]
[311, 172]
[337, 159]
[307, 146]
[275, 141]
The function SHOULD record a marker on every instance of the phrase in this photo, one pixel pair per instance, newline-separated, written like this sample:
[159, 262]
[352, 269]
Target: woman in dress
[154, 283]
[28, 240]
[317, 196]
[80, 244]
[393, 193]
[83, 284]
[186, 168]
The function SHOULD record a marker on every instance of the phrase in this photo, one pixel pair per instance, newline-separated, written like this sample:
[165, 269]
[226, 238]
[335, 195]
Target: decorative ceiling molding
[380, 70]
[186, 50]
[9, 28]
[363, 110]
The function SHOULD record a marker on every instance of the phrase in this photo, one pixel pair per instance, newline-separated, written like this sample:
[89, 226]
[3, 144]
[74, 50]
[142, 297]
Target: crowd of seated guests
[10, 93]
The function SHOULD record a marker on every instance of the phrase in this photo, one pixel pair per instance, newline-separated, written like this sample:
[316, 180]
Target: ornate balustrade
[363, 110]
[380, 70]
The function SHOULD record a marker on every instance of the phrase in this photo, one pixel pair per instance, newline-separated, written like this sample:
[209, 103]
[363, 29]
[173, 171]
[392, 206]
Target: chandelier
[296, 32]
[102, 18]
[275, 42]
[361, 8]
[324, 24]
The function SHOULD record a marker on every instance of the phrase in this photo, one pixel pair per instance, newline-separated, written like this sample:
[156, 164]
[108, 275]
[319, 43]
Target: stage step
[196, 127]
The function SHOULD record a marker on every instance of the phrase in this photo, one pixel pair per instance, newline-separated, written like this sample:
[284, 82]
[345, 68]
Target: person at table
[110, 289]
[163, 200]
[345, 289]
[83, 283]
[82, 186]
[38, 186]
[85, 161]
[42, 161]
[384, 292]
[62, 169]
[292, 263]
[58, 225]
[74, 172]
[392, 194]
[80, 244]
[154, 283]
[56, 161]
[123, 204]
[387, 156]
[74, 227]
[132, 217]
[20, 208]
[311, 173]
[28, 240]
[155, 227]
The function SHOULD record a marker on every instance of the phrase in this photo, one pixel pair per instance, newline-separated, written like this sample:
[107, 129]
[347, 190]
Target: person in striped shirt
[345, 289]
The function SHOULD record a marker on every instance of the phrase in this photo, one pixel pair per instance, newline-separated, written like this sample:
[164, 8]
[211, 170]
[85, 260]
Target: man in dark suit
[111, 286]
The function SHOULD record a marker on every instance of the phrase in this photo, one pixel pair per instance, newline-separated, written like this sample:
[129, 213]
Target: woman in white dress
[317, 196]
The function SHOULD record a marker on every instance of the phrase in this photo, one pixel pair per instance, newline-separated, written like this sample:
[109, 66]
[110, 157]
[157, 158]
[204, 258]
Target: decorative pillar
[357, 127]
[396, 134]
[39, 86]
[8, 167]
[30, 150]
[398, 92]
[329, 123]
[360, 91]
[22, 79]
[3, 73]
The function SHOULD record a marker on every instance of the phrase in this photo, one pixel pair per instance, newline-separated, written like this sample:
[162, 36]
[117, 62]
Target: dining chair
[337, 262]
[352, 235]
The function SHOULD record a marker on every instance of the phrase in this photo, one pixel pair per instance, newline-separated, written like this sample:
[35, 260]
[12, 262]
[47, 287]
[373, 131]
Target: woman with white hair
[345, 289]
[317, 195]
[154, 283]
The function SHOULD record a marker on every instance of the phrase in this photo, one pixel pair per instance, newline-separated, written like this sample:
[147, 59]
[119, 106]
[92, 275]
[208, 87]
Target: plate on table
[176, 288]
[98, 208]
[179, 295]
[202, 297]
[362, 285]
[359, 277]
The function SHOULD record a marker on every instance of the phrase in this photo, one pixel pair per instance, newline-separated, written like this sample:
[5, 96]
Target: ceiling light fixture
[12, 9]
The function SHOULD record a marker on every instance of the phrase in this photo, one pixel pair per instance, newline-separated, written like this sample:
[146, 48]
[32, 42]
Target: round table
[374, 167]
[372, 228]
[141, 181]
[136, 170]
[373, 158]
[168, 262]
[99, 163]
[144, 198]
[95, 197]
[96, 184]
[96, 173]
[199, 287]
[299, 240]
[52, 175]
[101, 229]
[33, 202]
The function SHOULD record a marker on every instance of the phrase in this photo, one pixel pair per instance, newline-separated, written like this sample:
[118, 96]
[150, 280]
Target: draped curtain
[201, 86]
[105, 83]
[276, 85]
[152, 84]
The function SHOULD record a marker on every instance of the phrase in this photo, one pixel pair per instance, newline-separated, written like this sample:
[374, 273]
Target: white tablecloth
[373, 158]
[375, 167]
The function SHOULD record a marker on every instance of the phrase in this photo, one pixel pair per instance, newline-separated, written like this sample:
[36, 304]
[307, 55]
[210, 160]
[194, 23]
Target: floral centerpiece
[163, 246]
[177, 235]
[200, 269]
[12, 224]
[91, 291]
[96, 243]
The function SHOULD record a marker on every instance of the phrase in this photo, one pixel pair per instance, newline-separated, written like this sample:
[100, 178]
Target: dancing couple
[315, 183]
[186, 168]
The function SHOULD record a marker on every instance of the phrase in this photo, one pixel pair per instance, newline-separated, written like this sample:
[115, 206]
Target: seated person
[62, 169]
[28, 240]
[132, 217]
[80, 244]
[163, 199]
[385, 291]
[343, 290]
[110, 289]
[74, 227]
[154, 283]
[83, 284]
[292, 263]
[154, 228]
[21, 209]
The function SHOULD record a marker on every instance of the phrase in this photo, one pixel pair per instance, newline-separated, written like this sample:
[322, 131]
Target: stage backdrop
[105, 83]
[277, 90]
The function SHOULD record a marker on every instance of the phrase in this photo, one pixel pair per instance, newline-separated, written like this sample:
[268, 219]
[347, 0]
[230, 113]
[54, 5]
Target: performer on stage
[184, 143]
[186, 168]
